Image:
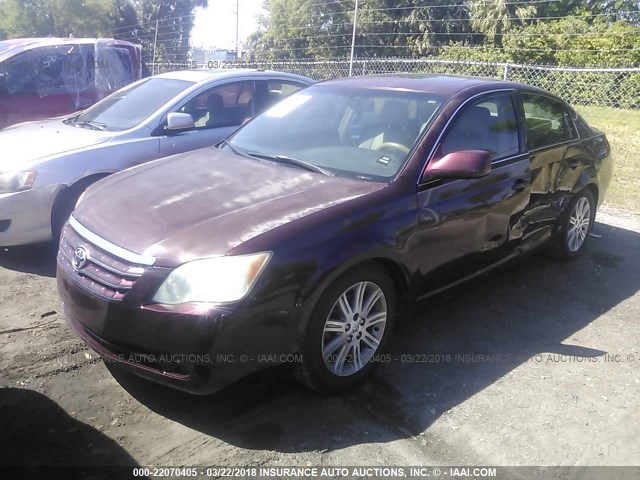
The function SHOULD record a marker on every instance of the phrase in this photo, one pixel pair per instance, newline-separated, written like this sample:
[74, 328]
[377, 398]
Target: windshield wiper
[227, 144]
[90, 123]
[295, 162]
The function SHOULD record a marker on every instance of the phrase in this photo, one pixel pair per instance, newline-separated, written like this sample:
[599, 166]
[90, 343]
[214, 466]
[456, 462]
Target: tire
[339, 351]
[576, 224]
[62, 208]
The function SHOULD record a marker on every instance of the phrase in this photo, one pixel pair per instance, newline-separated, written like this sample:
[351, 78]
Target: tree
[41, 18]
[495, 17]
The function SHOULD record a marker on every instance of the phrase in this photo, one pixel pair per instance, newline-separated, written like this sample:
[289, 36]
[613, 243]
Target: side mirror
[180, 122]
[463, 164]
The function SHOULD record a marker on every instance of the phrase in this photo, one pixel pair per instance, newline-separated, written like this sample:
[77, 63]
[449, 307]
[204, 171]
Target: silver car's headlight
[212, 280]
[16, 181]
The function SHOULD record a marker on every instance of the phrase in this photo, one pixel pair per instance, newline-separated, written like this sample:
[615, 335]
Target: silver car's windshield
[131, 105]
[358, 133]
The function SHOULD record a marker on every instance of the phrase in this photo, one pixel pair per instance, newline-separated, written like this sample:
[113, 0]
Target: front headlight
[16, 181]
[212, 280]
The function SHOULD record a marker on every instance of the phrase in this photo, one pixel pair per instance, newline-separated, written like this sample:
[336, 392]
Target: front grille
[103, 273]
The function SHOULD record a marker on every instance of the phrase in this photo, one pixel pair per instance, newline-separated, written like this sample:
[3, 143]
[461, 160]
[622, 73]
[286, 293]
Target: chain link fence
[608, 98]
[610, 87]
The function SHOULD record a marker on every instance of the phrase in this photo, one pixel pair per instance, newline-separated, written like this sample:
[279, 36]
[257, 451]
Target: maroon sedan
[314, 227]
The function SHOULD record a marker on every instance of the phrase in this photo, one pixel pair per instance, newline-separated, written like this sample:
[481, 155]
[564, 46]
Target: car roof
[43, 41]
[200, 75]
[437, 84]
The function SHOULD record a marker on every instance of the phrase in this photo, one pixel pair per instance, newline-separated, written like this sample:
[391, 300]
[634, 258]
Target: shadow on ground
[39, 259]
[35, 431]
[512, 315]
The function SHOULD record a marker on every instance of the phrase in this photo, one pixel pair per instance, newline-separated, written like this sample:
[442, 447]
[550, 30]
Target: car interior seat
[219, 116]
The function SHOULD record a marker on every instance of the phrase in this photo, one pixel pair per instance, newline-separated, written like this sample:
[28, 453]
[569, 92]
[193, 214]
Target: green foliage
[568, 33]
[38, 18]
[575, 42]
[133, 20]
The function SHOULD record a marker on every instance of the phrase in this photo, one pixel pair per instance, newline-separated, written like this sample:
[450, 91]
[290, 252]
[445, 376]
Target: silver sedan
[45, 166]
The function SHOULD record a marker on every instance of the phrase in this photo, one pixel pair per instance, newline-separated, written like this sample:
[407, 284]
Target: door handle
[521, 183]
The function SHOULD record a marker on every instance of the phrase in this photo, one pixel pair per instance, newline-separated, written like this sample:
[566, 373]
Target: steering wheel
[393, 145]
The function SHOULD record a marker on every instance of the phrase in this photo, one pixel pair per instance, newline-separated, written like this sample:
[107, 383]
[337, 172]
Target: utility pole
[237, 30]
[155, 45]
[353, 37]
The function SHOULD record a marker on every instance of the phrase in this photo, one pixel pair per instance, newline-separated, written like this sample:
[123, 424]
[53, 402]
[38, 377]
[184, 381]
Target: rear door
[551, 140]
[467, 225]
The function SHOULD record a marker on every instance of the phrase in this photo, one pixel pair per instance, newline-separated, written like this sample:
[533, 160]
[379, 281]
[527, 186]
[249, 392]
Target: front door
[217, 113]
[467, 225]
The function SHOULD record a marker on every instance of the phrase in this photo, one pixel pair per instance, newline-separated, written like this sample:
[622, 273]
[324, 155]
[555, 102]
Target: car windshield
[131, 105]
[351, 132]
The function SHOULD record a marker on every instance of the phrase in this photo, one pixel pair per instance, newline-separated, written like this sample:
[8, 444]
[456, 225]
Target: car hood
[205, 203]
[31, 141]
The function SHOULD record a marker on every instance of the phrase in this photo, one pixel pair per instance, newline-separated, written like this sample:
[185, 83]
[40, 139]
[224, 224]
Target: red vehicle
[48, 77]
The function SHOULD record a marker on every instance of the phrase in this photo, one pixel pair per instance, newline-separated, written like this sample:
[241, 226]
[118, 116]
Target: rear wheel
[349, 327]
[576, 226]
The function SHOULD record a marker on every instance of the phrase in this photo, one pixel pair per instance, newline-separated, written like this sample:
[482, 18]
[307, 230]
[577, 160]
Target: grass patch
[623, 131]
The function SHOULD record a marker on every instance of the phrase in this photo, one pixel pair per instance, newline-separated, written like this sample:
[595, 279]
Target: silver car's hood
[30, 141]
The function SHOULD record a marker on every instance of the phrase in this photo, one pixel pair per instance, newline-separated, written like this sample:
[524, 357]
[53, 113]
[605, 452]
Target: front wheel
[349, 327]
[575, 227]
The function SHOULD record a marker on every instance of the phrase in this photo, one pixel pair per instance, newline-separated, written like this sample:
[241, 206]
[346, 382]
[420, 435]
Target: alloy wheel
[579, 223]
[354, 328]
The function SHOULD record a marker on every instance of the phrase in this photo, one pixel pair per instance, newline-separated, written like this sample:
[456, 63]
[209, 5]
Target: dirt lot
[536, 364]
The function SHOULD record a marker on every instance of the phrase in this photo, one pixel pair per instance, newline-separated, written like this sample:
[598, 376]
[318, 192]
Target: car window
[52, 70]
[133, 104]
[279, 89]
[489, 124]
[357, 133]
[584, 130]
[546, 121]
[225, 105]
[117, 71]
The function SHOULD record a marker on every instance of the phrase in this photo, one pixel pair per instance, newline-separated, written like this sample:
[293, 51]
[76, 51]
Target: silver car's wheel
[579, 223]
[354, 328]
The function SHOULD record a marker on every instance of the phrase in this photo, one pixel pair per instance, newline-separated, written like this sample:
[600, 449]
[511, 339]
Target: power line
[456, 20]
[337, 47]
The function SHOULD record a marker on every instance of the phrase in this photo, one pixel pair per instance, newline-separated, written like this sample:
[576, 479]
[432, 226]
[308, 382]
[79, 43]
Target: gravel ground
[537, 364]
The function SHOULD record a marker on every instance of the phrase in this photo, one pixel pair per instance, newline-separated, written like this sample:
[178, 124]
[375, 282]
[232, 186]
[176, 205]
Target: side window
[546, 122]
[21, 74]
[278, 89]
[489, 124]
[584, 130]
[222, 106]
[115, 70]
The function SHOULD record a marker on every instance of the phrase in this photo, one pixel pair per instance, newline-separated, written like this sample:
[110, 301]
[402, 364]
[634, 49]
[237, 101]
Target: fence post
[506, 72]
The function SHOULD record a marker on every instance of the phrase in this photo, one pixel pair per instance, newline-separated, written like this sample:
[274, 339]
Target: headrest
[395, 112]
[215, 102]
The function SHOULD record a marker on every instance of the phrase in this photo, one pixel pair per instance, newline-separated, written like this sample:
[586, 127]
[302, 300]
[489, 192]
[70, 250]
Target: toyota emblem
[80, 258]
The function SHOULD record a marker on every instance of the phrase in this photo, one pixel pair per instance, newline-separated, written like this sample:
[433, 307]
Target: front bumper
[187, 347]
[28, 215]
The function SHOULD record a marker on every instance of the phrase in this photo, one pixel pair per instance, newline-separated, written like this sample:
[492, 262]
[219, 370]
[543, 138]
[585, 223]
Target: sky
[216, 26]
